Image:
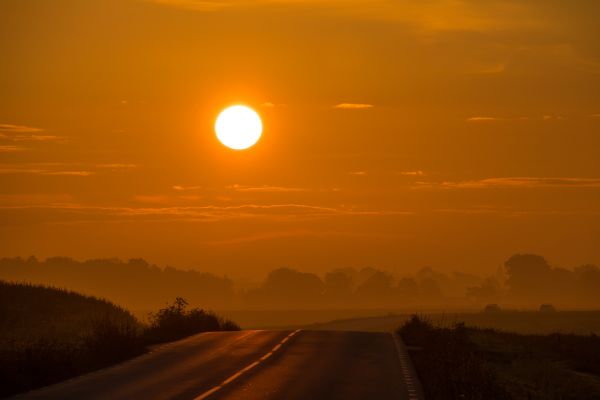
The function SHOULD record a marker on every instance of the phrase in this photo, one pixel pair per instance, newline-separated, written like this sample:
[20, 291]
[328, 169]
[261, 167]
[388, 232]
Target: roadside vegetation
[462, 362]
[48, 335]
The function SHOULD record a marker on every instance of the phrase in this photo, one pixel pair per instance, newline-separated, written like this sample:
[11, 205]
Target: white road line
[407, 372]
[246, 369]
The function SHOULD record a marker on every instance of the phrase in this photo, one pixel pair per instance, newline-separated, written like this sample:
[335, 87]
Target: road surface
[255, 365]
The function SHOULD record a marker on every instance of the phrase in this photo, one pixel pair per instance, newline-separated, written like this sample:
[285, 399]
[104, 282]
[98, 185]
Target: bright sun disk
[238, 127]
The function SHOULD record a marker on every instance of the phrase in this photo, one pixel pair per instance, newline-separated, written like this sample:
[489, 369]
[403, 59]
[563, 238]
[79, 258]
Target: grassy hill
[48, 334]
[30, 313]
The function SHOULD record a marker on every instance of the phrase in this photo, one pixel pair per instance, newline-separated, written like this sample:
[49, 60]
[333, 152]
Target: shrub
[175, 322]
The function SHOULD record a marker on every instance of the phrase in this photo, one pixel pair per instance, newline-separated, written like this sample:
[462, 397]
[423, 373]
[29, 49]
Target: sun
[238, 127]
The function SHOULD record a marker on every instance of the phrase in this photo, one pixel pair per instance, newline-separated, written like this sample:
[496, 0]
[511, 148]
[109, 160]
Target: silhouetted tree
[290, 288]
[377, 289]
[488, 292]
[338, 286]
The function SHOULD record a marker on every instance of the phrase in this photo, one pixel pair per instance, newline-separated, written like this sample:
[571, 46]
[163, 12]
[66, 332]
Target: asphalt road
[255, 365]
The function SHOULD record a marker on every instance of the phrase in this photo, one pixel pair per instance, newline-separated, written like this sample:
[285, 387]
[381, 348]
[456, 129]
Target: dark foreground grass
[48, 335]
[461, 362]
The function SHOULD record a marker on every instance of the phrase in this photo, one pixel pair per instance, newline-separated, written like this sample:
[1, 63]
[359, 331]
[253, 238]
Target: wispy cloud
[22, 133]
[287, 234]
[10, 149]
[69, 173]
[353, 106]
[60, 169]
[182, 188]
[412, 173]
[552, 117]
[358, 173]
[196, 5]
[19, 129]
[209, 213]
[517, 182]
[157, 199]
[510, 212]
[547, 117]
[265, 188]
[117, 166]
[430, 16]
[34, 199]
[483, 119]
[30, 171]
[268, 104]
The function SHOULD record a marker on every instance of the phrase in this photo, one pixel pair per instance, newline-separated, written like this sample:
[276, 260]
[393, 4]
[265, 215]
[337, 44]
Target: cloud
[185, 188]
[430, 16]
[353, 106]
[412, 173]
[264, 188]
[268, 104]
[595, 115]
[33, 199]
[22, 133]
[517, 182]
[259, 237]
[60, 169]
[287, 234]
[552, 117]
[78, 213]
[483, 119]
[10, 149]
[524, 118]
[488, 69]
[504, 211]
[69, 173]
[36, 138]
[116, 166]
[30, 171]
[151, 199]
[196, 5]
[358, 173]
[19, 129]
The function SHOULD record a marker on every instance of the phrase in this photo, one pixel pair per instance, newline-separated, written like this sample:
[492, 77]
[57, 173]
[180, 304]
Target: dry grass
[460, 362]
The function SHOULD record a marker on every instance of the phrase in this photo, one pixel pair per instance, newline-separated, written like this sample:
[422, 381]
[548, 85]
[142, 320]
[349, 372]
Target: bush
[175, 322]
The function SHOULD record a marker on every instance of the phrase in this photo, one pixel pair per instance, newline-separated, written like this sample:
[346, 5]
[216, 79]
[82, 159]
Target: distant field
[282, 319]
[526, 322]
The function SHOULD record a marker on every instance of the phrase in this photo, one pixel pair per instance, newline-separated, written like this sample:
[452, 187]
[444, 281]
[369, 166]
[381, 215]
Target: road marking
[412, 387]
[246, 369]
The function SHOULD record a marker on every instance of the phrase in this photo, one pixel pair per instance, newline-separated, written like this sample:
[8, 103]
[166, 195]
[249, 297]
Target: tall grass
[38, 362]
[460, 362]
[48, 335]
[449, 366]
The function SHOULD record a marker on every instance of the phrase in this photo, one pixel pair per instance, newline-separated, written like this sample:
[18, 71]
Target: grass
[48, 335]
[462, 362]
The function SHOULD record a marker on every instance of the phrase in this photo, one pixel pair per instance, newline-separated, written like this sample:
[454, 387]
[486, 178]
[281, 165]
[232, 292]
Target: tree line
[523, 280]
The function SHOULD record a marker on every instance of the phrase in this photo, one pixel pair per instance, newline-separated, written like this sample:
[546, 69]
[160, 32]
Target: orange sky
[397, 134]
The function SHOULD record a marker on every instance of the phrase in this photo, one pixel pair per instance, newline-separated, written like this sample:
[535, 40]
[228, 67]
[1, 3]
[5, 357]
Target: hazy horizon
[525, 281]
